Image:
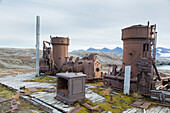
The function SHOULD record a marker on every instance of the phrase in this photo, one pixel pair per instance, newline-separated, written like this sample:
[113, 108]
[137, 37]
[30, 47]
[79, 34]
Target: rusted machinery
[139, 50]
[60, 50]
[90, 66]
[51, 62]
[70, 87]
[57, 60]
[46, 63]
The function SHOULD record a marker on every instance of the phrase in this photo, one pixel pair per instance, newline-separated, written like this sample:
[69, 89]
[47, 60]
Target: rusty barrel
[136, 45]
[60, 49]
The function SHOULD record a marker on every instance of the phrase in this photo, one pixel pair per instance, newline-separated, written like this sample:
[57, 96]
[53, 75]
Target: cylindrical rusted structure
[60, 49]
[136, 45]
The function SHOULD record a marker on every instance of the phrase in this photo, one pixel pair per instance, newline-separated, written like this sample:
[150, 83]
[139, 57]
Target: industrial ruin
[53, 59]
[139, 52]
[66, 83]
[138, 42]
[70, 87]
[56, 60]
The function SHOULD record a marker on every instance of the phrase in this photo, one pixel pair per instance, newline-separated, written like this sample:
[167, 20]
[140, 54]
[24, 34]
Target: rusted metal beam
[153, 63]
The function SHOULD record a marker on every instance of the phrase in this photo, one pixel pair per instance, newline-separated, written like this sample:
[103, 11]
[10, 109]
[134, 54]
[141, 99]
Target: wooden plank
[139, 111]
[164, 110]
[90, 107]
[134, 110]
[165, 105]
[150, 109]
[157, 109]
[127, 111]
[145, 105]
[6, 100]
[168, 111]
[75, 110]
[127, 80]
[137, 103]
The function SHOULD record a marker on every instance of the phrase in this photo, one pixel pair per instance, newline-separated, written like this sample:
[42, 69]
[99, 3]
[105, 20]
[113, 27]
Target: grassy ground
[43, 79]
[121, 102]
[24, 106]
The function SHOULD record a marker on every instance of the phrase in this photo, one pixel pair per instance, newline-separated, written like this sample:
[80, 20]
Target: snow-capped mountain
[161, 52]
[117, 50]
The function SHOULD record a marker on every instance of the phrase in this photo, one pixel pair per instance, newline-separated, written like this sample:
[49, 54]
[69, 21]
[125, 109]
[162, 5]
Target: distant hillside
[14, 58]
[104, 57]
[160, 52]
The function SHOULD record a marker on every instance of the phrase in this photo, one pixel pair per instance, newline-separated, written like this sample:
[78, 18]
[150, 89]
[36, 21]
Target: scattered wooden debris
[141, 104]
[113, 92]
[22, 88]
[166, 105]
[90, 107]
[160, 95]
[75, 110]
[111, 99]
[17, 95]
[115, 107]
[111, 102]
[14, 106]
[27, 93]
[50, 90]
[32, 89]
[6, 100]
[145, 105]
[137, 103]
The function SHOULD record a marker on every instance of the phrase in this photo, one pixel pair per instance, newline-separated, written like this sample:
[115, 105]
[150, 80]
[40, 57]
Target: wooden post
[37, 44]
[127, 80]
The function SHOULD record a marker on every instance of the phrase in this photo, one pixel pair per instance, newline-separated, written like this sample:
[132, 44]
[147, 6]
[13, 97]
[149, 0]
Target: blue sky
[88, 23]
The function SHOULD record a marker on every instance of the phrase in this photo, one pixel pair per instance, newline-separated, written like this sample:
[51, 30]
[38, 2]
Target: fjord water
[163, 67]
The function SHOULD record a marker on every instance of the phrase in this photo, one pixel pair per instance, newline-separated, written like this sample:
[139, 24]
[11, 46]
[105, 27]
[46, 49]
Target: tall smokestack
[37, 44]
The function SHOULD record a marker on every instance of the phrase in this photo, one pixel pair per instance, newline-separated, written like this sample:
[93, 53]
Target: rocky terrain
[104, 57]
[17, 61]
[12, 58]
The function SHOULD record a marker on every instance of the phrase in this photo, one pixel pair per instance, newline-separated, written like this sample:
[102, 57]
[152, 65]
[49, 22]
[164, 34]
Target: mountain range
[117, 50]
[160, 52]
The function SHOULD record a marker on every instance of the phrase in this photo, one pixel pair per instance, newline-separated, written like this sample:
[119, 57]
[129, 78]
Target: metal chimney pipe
[37, 44]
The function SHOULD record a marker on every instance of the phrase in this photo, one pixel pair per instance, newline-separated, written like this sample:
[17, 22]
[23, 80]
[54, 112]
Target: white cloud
[88, 23]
